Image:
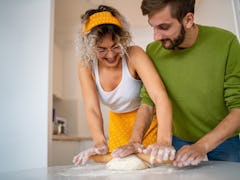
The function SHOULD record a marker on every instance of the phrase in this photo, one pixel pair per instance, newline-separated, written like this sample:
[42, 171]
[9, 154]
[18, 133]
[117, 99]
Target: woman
[112, 71]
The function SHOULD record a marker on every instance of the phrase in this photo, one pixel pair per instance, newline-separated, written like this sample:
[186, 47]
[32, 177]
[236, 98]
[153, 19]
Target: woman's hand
[83, 156]
[160, 153]
[128, 149]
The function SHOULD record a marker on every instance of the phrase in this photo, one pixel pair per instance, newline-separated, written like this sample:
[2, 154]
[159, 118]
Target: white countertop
[209, 170]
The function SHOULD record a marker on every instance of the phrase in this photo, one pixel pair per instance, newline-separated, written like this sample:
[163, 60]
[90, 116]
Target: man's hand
[83, 156]
[189, 155]
[128, 149]
[160, 153]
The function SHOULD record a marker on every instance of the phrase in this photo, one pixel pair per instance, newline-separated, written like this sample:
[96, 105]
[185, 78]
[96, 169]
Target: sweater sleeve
[145, 99]
[232, 76]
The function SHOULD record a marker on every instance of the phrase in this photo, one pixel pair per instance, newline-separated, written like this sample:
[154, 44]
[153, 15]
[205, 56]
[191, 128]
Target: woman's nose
[110, 53]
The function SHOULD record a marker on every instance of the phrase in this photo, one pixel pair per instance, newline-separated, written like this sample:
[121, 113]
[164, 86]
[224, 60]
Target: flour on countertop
[99, 169]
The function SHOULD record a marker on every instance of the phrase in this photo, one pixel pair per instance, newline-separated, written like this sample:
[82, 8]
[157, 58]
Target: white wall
[236, 10]
[216, 13]
[24, 76]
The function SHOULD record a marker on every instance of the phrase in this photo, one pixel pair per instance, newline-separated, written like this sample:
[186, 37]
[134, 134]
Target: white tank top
[125, 97]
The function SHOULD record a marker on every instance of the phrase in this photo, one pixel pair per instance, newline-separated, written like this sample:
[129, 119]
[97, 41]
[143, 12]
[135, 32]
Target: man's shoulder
[216, 31]
[155, 45]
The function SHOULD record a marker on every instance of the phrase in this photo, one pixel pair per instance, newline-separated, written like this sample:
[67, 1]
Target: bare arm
[142, 123]
[140, 63]
[154, 85]
[93, 116]
[92, 106]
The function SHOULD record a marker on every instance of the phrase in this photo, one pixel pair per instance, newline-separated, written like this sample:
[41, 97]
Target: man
[200, 67]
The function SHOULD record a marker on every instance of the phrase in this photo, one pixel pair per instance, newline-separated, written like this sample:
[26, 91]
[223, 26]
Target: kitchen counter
[208, 170]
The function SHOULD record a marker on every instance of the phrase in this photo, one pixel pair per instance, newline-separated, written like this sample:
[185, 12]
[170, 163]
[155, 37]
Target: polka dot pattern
[101, 18]
[120, 129]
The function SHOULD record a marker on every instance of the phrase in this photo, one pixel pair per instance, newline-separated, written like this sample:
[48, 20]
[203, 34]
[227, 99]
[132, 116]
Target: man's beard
[174, 44]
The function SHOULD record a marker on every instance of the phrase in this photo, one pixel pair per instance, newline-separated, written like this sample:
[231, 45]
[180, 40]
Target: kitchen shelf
[69, 138]
[57, 96]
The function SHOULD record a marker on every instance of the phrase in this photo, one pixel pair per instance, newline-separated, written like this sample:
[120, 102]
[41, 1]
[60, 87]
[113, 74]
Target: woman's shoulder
[84, 67]
[135, 54]
[135, 48]
[135, 51]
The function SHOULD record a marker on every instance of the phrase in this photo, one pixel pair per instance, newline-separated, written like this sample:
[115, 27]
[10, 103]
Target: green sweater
[203, 81]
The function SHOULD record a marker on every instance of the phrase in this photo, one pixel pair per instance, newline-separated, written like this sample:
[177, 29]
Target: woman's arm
[141, 66]
[92, 106]
[143, 121]
[156, 89]
[93, 116]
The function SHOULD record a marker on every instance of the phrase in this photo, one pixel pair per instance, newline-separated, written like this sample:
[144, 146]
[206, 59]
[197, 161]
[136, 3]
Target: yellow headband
[99, 18]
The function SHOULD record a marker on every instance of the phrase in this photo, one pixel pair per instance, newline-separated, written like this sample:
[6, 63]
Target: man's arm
[194, 154]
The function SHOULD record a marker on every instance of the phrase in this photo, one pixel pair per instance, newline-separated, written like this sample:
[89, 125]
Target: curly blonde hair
[88, 41]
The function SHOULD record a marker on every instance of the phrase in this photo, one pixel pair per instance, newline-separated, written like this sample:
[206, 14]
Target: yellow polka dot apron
[120, 129]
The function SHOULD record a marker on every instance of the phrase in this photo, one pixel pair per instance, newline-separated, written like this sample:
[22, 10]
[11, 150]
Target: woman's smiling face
[108, 51]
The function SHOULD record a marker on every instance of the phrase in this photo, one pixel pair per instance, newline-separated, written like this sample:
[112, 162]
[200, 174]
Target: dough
[131, 162]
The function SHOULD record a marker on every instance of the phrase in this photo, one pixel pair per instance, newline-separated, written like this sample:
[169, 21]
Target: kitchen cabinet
[64, 148]
[63, 152]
